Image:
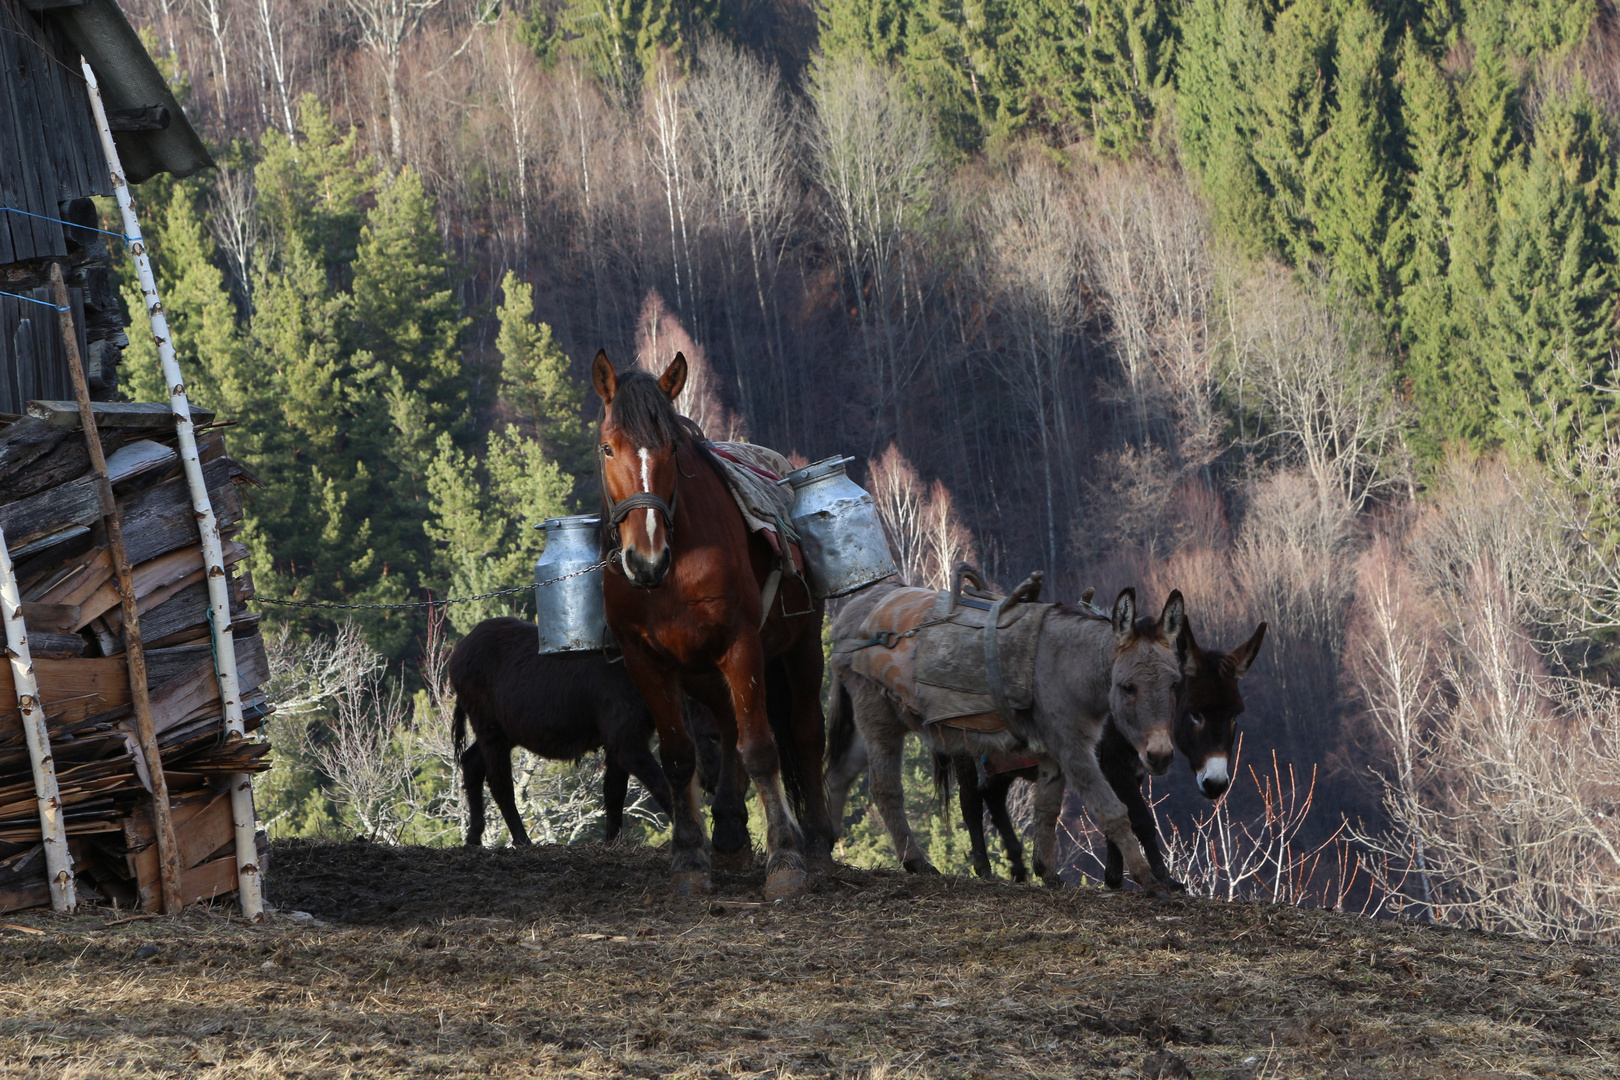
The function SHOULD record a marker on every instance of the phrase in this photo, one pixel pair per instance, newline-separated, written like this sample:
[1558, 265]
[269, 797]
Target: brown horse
[684, 601]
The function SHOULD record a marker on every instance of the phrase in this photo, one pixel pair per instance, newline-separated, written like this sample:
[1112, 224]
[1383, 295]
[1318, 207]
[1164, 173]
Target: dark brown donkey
[558, 706]
[1204, 732]
[683, 597]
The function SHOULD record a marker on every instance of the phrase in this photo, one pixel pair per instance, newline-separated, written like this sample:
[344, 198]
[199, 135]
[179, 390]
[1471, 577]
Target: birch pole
[52, 828]
[243, 817]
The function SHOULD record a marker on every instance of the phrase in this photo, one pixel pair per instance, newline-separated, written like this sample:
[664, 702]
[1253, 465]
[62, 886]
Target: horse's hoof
[1171, 885]
[690, 882]
[1053, 882]
[1115, 883]
[820, 863]
[785, 882]
[920, 866]
[984, 872]
[734, 862]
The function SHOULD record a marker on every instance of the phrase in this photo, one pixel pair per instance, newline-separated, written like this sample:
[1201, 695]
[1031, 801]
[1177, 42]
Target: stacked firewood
[51, 514]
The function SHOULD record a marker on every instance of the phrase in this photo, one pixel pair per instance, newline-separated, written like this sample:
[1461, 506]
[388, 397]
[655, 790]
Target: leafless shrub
[659, 336]
[926, 535]
[1316, 383]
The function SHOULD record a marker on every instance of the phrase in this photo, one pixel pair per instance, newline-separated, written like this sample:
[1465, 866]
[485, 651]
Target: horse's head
[636, 449]
[1207, 725]
[1144, 694]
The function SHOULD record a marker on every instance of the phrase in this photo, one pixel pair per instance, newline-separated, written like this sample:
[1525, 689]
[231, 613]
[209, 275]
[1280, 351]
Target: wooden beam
[168, 847]
[115, 414]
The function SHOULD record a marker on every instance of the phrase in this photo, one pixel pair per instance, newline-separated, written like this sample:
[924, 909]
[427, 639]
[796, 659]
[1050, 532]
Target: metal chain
[429, 603]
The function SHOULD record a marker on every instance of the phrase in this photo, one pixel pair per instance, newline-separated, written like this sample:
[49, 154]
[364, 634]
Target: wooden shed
[103, 501]
[51, 165]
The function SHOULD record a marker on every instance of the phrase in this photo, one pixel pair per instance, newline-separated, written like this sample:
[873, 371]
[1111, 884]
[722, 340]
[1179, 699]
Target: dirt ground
[578, 962]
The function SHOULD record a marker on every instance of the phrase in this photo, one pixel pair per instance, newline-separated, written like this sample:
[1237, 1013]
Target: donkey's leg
[743, 667]
[615, 785]
[498, 762]
[714, 730]
[689, 859]
[802, 665]
[472, 781]
[967, 794]
[1049, 787]
[885, 736]
[842, 773]
[995, 796]
[1079, 758]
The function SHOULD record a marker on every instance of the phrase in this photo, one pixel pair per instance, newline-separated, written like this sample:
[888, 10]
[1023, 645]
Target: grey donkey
[1086, 668]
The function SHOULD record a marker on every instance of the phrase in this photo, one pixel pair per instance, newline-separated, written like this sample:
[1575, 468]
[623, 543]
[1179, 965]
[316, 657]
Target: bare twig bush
[925, 534]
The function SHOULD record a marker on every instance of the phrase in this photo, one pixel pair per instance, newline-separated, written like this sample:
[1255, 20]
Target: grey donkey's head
[1145, 687]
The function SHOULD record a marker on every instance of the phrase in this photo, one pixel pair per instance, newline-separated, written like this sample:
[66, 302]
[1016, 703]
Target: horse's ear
[674, 378]
[1239, 659]
[603, 377]
[1125, 615]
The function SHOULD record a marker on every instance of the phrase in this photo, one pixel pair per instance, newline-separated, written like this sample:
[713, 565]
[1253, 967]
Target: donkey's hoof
[785, 882]
[690, 882]
[1114, 882]
[920, 866]
[1171, 885]
[1053, 881]
[734, 862]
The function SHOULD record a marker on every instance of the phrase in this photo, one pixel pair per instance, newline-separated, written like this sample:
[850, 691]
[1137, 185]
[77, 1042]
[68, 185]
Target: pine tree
[1128, 62]
[1351, 183]
[1293, 99]
[536, 385]
[1553, 304]
[620, 40]
[315, 188]
[1450, 406]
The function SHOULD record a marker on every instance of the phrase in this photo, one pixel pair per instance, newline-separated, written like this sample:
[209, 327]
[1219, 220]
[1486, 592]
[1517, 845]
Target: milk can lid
[818, 470]
[582, 521]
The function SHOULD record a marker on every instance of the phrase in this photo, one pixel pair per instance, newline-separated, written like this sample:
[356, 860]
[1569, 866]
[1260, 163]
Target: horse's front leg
[743, 668]
[802, 666]
[689, 870]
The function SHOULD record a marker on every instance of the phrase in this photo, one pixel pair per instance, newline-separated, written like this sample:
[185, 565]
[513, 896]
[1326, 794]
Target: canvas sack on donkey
[962, 659]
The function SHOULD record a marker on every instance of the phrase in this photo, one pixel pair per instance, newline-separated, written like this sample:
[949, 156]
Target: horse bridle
[641, 500]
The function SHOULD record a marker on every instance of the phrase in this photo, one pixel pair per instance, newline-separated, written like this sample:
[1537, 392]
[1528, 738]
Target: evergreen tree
[620, 40]
[1449, 404]
[1352, 182]
[546, 400]
[1553, 304]
[1129, 54]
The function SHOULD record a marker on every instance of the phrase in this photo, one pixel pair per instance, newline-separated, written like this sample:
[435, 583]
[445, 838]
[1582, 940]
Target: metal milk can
[570, 613]
[839, 530]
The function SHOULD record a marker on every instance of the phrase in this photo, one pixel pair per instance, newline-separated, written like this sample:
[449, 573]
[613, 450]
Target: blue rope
[69, 224]
[31, 300]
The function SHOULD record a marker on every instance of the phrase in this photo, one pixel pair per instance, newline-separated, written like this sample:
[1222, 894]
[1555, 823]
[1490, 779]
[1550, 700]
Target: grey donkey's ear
[1239, 659]
[1125, 615]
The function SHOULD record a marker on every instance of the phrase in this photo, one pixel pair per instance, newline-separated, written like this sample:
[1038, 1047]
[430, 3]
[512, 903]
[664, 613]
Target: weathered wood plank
[138, 457]
[26, 440]
[75, 503]
[115, 414]
[161, 519]
[70, 689]
[156, 580]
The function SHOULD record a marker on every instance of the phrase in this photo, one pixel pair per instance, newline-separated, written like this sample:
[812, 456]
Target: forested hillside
[1307, 309]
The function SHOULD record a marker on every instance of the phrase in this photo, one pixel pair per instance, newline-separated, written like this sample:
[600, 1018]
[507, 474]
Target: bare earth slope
[577, 962]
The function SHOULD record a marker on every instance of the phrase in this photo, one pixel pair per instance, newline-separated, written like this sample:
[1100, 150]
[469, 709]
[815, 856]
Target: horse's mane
[645, 414]
[643, 411]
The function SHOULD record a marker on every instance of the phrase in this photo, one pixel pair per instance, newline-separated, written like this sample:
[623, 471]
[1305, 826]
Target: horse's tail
[779, 710]
[840, 722]
[944, 774]
[458, 730]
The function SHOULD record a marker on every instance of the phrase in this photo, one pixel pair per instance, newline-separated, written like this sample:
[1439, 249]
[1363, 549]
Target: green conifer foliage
[620, 40]
[1352, 181]
[1129, 54]
[536, 385]
[1552, 309]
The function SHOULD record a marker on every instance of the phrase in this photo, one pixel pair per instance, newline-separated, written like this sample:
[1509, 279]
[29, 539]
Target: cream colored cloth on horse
[760, 498]
[938, 673]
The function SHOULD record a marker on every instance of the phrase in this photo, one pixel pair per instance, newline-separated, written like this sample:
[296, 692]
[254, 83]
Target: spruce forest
[1307, 309]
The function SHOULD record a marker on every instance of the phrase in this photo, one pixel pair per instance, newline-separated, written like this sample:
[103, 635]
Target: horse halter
[641, 500]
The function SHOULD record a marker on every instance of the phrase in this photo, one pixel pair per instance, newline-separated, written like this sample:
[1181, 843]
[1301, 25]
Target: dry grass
[577, 962]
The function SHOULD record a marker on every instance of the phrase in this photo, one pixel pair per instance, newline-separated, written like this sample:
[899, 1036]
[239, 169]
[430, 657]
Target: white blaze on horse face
[646, 485]
[1214, 771]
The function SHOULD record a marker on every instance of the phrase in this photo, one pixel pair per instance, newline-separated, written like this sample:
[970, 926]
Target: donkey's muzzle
[646, 573]
[1158, 764]
[1213, 778]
